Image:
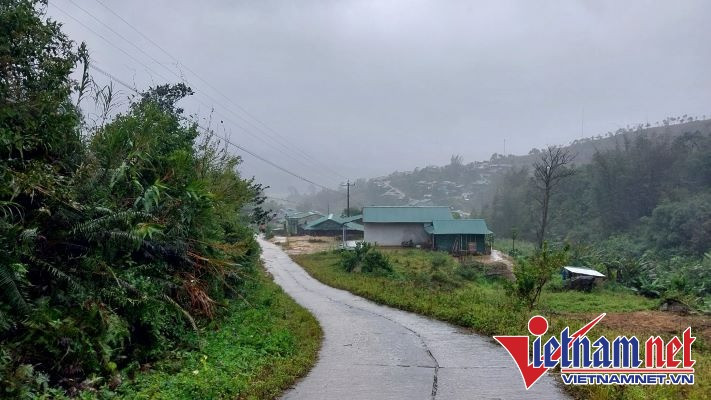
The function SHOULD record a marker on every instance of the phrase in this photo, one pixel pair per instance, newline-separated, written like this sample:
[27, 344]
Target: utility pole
[348, 197]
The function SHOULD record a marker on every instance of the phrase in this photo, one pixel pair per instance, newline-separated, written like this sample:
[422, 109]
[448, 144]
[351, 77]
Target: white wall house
[393, 225]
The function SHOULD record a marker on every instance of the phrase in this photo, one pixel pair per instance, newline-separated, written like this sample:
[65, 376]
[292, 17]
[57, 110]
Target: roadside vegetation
[256, 351]
[648, 226]
[434, 284]
[126, 241]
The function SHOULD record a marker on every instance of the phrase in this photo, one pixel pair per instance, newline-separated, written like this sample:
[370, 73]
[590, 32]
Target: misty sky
[369, 87]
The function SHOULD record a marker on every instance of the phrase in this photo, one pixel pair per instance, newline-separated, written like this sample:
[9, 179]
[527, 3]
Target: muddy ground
[306, 244]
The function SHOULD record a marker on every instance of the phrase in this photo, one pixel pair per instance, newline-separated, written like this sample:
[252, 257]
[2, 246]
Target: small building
[581, 278]
[460, 236]
[296, 221]
[396, 225]
[331, 225]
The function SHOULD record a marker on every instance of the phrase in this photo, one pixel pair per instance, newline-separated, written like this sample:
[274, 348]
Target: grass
[435, 285]
[523, 246]
[263, 344]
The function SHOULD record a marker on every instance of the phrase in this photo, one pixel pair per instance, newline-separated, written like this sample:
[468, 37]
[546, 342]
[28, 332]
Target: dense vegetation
[433, 284]
[637, 205]
[254, 352]
[122, 241]
[643, 210]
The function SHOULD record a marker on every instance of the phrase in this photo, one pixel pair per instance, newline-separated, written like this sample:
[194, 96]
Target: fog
[368, 87]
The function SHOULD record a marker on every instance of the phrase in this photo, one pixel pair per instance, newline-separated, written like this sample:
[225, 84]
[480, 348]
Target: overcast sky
[368, 87]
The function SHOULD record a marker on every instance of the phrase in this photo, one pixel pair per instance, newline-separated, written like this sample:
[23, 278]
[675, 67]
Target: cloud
[367, 87]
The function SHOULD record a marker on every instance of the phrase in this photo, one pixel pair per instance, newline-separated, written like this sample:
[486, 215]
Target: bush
[469, 272]
[532, 273]
[366, 259]
[119, 241]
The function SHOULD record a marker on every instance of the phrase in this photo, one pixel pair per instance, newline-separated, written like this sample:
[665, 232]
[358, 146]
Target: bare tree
[548, 171]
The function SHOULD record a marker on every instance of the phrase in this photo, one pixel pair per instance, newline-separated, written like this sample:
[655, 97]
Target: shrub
[120, 240]
[532, 273]
[366, 259]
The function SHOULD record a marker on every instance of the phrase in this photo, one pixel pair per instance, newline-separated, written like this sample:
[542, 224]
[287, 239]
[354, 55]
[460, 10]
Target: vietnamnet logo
[601, 362]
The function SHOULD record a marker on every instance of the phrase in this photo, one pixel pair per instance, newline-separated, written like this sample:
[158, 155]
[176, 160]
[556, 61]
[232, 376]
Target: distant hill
[585, 148]
[468, 187]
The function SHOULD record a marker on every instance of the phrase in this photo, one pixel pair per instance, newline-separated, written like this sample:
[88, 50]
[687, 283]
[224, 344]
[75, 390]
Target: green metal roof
[352, 218]
[353, 226]
[458, 226]
[384, 214]
[302, 214]
[314, 225]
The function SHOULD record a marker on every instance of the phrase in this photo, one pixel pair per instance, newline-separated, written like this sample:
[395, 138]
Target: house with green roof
[460, 236]
[395, 225]
[296, 221]
[430, 227]
[331, 225]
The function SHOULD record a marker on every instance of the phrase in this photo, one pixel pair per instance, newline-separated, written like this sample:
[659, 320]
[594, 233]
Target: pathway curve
[374, 352]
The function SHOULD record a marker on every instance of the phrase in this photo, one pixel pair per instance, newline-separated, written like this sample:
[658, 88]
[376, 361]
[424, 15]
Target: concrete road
[375, 352]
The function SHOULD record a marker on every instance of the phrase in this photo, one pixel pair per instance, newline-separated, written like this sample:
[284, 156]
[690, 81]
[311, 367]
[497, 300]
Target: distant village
[426, 227]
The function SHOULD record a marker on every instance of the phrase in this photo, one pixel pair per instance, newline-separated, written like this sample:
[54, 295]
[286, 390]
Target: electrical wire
[286, 153]
[292, 146]
[208, 131]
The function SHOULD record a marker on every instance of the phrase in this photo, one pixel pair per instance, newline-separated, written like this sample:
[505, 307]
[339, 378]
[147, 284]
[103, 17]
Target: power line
[108, 41]
[285, 152]
[255, 155]
[207, 131]
[292, 146]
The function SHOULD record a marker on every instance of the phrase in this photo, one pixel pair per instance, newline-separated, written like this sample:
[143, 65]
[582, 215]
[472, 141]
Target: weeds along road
[375, 352]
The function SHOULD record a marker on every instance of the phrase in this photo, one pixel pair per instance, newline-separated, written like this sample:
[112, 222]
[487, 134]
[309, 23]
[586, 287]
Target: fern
[58, 274]
[98, 225]
[10, 210]
[9, 289]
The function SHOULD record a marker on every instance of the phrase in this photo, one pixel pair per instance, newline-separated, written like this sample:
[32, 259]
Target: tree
[534, 272]
[456, 160]
[548, 172]
[351, 211]
[117, 244]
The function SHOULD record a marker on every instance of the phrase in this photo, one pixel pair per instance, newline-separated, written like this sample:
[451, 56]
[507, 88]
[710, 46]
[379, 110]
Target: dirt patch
[499, 264]
[657, 323]
[306, 244]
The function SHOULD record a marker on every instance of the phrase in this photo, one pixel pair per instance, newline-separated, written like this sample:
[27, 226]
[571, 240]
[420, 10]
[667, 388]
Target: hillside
[470, 187]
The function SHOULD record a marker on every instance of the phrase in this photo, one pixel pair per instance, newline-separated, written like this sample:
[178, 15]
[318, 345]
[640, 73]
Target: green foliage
[487, 307]
[682, 224]
[365, 258]
[532, 273]
[643, 207]
[118, 245]
[257, 350]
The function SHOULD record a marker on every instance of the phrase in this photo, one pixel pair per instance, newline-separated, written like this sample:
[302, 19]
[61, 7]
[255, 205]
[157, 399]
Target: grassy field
[504, 244]
[434, 284]
[264, 344]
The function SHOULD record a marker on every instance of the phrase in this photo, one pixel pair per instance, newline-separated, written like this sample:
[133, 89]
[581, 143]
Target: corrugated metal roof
[352, 218]
[352, 226]
[302, 214]
[317, 222]
[314, 225]
[383, 214]
[584, 271]
[459, 226]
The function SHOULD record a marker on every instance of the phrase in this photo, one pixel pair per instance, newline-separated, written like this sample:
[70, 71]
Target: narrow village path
[374, 352]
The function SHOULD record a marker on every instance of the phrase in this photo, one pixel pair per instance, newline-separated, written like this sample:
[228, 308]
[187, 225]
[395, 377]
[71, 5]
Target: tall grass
[263, 344]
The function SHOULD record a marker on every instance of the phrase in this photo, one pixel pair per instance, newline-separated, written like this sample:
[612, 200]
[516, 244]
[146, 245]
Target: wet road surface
[374, 352]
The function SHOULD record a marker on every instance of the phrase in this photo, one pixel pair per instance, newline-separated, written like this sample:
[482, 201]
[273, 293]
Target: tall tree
[548, 171]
